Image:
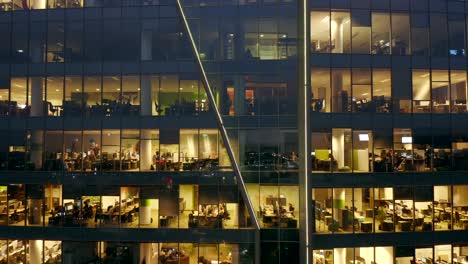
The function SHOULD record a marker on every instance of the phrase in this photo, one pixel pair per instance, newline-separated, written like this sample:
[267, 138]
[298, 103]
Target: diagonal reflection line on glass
[219, 120]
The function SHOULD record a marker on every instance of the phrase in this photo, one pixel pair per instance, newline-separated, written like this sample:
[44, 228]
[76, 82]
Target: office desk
[163, 221]
[464, 223]
[388, 226]
[405, 218]
[441, 108]
[427, 226]
[366, 227]
[201, 221]
[405, 225]
[463, 215]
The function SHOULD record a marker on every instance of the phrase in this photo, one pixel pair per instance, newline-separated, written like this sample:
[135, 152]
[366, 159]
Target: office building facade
[387, 122]
[233, 131]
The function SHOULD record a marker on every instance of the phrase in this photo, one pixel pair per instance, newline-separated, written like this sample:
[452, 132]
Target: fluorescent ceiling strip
[219, 119]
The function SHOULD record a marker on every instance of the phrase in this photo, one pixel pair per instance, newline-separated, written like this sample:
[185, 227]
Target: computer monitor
[69, 207]
[406, 140]
[363, 137]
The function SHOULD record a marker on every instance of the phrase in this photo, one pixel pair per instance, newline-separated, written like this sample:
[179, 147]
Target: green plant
[334, 226]
[381, 215]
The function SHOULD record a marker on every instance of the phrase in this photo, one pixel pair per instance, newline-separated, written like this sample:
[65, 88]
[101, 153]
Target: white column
[35, 211]
[338, 146]
[337, 35]
[235, 253]
[145, 212]
[146, 152]
[338, 202]
[339, 255]
[38, 4]
[146, 253]
[35, 251]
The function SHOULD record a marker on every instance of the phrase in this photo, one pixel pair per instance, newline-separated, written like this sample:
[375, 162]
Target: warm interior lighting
[407, 140]
[363, 137]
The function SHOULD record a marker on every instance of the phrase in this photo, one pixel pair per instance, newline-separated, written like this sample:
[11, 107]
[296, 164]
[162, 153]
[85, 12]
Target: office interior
[343, 90]
[143, 95]
[276, 206]
[129, 150]
[387, 209]
[266, 150]
[385, 150]
[385, 33]
[55, 252]
[166, 206]
[103, 96]
[31, 251]
[437, 254]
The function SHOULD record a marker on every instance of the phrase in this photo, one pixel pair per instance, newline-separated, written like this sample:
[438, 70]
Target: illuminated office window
[421, 91]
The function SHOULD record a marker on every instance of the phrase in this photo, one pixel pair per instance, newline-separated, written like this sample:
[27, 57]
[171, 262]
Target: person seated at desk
[92, 155]
[76, 211]
[87, 163]
[87, 211]
[99, 213]
[156, 161]
[283, 211]
[291, 209]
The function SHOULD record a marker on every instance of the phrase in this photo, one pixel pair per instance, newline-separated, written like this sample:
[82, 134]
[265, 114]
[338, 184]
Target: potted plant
[334, 226]
[381, 216]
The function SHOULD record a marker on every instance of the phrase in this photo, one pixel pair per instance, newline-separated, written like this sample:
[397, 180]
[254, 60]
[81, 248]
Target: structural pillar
[337, 35]
[146, 253]
[35, 251]
[146, 150]
[145, 212]
[239, 95]
[146, 105]
[339, 99]
[35, 208]
[338, 202]
[38, 4]
[37, 110]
